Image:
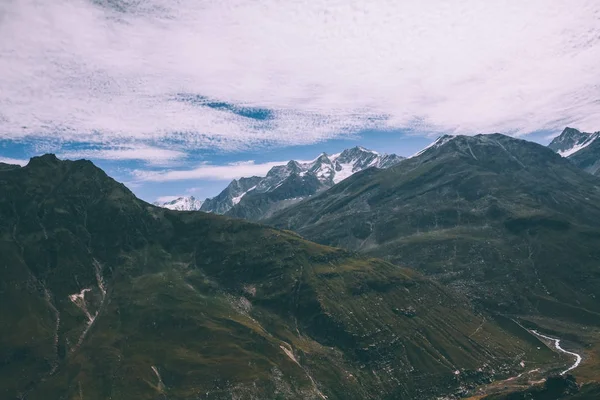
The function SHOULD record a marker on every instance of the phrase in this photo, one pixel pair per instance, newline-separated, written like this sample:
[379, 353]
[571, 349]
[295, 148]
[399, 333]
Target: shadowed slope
[106, 296]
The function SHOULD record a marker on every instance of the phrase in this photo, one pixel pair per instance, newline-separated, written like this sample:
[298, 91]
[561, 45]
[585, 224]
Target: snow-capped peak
[183, 203]
[296, 178]
[586, 142]
[571, 140]
[367, 150]
[440, 141]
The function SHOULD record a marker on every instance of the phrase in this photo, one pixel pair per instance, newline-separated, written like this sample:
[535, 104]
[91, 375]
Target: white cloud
[149, 154]
[89, 71]
[208, 172]
[193, 190]
[14, 161]
[166, 199]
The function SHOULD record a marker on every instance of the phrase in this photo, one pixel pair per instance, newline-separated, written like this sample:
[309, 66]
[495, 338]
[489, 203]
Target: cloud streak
[166, 199]
[14, 161]
[148, 154]
[296, 72]
[208, 172]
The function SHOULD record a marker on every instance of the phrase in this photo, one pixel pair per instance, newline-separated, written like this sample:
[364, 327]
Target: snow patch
[343, 173]
[189, 203]
[368, 151]
[324, 172]
[79, 296]
[334, 157]
[577, 147]
[237, 199]
[160, 385]
[442, 140]
[79, 300]
[289, 354]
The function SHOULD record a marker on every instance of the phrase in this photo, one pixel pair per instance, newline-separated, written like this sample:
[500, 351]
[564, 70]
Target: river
[557, 346]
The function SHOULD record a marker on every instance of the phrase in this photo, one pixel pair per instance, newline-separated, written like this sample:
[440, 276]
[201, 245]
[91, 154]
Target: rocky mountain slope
[289, 184]
[571, 141]
[258, 197]
[105, 296]
[588, 158]
[230, 196]
[507, 222]
[581, 148]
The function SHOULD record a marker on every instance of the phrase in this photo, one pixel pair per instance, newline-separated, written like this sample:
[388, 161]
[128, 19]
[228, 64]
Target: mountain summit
[571, 140]
[181, 204]
[288, 184]
[581, 148]
[257, 197]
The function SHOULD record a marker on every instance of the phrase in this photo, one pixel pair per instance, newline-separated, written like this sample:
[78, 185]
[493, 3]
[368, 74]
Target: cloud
[235, 74]
[166, 199]
[148, 154]
[193, 190]
[208, 172]
[14, 161]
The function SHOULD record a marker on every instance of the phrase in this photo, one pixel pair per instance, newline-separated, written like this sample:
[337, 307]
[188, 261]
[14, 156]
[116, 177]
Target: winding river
[557, 346]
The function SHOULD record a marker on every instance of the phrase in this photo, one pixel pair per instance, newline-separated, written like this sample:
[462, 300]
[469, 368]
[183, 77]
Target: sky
[177, 97]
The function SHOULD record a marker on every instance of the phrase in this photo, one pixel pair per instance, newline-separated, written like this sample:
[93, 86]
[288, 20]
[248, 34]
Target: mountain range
[288, 184]
[508, 223]
[471, 211]
[447, 266]
[106, 296]
[189, 203]
[255, 197]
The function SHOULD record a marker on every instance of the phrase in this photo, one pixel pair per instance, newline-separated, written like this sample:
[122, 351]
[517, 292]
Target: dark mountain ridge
[505, 221]
[105, 296]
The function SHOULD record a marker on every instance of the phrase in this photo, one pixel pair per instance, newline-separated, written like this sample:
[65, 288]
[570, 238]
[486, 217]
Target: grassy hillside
[105, 296]
[507, 222]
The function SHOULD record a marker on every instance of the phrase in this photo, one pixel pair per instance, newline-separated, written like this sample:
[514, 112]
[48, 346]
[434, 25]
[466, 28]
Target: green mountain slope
[105, 296]
[507, 222]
